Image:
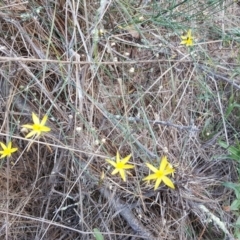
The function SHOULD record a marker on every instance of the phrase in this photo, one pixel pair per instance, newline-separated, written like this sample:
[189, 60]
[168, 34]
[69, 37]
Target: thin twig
[211, 73]
[29, 59]
[221, 110]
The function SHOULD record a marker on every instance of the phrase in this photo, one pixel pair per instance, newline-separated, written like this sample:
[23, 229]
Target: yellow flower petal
[45, 129]
[27, 126]
[128, 166]
[44, 120]
[169, 171]
[159, 180]
[31, 134]
[122, 173]
[150, 177]
[115, 171]
[126, 159]
[111, 162]
[168, 182]
[184, 38]
[163, 163]
[35, 119]
[151, 167]
[3, 145]
[9, 145]
[14, 150]
[189, 33]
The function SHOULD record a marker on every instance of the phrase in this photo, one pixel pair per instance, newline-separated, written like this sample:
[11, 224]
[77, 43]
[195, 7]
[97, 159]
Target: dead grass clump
[112, 76]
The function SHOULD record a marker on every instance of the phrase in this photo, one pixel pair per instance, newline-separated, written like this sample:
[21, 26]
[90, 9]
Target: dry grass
[55, 61]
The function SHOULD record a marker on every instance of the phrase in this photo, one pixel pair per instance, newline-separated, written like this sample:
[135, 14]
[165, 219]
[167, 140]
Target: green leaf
[235, 187]
[223, 144]
[235, 206]
[97, 234]
[229, 110]
[234, 151]
[238, 221]
[237, 235]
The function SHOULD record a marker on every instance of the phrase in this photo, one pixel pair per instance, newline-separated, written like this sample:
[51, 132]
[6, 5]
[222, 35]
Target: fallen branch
[164, 123]
[124, 210]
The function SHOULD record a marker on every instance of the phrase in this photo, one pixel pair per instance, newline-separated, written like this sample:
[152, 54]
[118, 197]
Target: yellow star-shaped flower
[188, 39]
[7, 150]
[165, 168]
[120, 165]
[37, 127]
